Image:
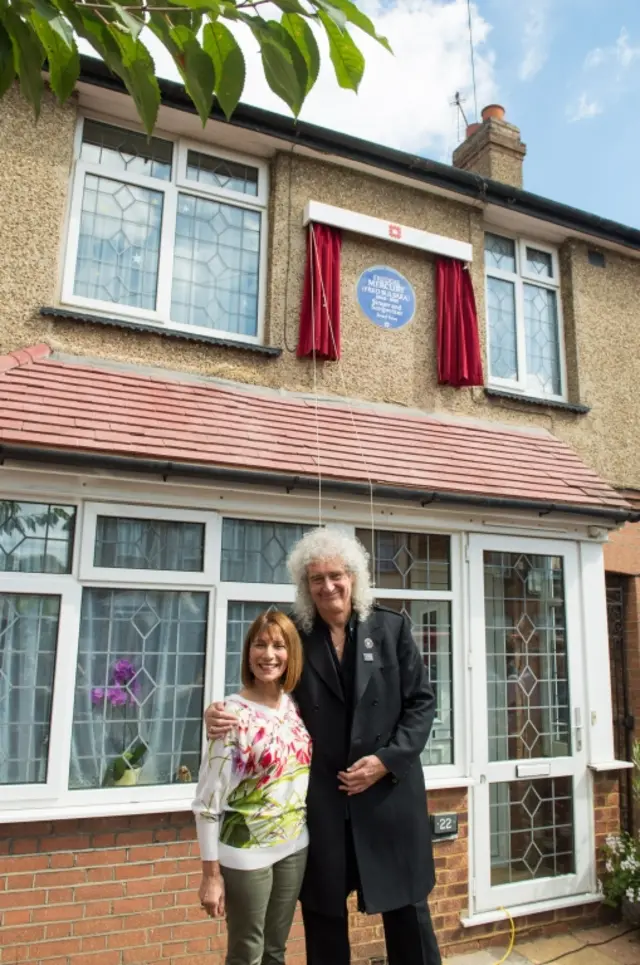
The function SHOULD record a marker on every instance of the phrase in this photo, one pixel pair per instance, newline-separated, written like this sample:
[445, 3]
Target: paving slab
[544, 949]
[623, 951]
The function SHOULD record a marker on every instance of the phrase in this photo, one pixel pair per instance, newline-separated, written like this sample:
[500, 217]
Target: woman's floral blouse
[250, 804]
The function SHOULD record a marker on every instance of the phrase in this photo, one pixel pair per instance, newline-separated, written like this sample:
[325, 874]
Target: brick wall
[118, 891]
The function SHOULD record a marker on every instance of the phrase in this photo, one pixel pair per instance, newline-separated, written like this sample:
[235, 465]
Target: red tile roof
[61, 405]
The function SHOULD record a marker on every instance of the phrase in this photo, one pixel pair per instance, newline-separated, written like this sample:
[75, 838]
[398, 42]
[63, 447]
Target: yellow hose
[512, 939]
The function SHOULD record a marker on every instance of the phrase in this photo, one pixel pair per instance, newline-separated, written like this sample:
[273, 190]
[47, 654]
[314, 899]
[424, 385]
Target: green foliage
[42, 33]
[127, 761]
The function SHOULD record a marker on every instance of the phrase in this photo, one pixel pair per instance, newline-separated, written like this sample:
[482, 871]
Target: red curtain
[459, 359]
[320, 310]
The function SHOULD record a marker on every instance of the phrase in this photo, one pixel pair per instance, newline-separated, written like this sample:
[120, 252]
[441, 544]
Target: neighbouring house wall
[601, 306]
[118, 891]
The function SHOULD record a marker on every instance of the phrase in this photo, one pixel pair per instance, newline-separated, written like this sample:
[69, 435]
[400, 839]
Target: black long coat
[393, 711]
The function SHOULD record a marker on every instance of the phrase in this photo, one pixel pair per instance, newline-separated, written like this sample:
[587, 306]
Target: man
[367, 703]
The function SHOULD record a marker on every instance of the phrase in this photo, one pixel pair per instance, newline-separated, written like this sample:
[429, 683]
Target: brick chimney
[492, 149]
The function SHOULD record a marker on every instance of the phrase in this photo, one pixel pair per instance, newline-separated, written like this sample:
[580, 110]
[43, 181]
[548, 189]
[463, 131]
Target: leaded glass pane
[541, 334]
[431, 627]
[539, 263]
[221, 173]
[409, 561]
[138, 706]
[216, 266]
[36, 537]
[28, 641]
[531, 832]
[119, 243]
[527, 662]
[503, 352]
[240, 616]
[149, 544]
[256, 552]
[499, 252]
[122, 150]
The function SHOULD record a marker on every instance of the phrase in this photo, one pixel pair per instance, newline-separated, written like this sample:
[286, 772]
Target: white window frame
[178, 183]
[518, 279]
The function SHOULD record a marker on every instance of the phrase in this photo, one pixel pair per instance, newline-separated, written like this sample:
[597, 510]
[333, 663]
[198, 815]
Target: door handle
[577, 729]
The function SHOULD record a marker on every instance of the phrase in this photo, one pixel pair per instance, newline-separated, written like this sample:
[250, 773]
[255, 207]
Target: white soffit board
[364, 224]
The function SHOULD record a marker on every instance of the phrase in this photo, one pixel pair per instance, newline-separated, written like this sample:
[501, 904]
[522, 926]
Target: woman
[250, 803]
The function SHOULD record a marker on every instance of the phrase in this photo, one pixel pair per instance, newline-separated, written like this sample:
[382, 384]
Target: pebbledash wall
[120, 890]
[116, 891]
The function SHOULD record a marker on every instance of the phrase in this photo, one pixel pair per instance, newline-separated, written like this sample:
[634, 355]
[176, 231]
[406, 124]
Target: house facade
[214, 339]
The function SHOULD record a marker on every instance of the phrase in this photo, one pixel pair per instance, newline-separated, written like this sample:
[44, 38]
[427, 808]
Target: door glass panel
[531, 830]
[527, 667]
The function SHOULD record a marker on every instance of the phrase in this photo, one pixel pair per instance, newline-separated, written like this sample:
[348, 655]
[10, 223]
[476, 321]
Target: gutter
[325, 141]
[290, 482]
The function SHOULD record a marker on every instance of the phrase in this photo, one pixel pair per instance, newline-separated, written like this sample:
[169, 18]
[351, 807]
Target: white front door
[532, 808]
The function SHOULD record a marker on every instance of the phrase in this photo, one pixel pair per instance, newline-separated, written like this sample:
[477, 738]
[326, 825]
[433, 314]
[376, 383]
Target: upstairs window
[525, 345]
[166, 231]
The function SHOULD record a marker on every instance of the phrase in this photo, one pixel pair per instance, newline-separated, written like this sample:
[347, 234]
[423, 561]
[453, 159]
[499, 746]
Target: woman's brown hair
[267, 620]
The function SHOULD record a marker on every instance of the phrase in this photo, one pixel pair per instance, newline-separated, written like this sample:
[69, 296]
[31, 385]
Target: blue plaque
[386, 297]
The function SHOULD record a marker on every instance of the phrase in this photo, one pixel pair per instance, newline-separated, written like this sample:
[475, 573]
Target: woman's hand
[212, 895]
[218, 721]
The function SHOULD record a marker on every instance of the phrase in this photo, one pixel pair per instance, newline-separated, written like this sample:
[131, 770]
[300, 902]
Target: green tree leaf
[55, 20]
[284, 66]
[332, 11]
[347, 60]
[198, 71]
[63, 60]
[138, 74]
[355, 16]
[228, 61]
[133, 25]
[28, 57]
[302, 34]
[7, 65]
[291, 6]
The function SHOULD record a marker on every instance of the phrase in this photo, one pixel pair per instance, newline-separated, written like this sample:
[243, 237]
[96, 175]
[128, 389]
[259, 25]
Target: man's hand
[211, 895]
[218, 721]
[362, 774]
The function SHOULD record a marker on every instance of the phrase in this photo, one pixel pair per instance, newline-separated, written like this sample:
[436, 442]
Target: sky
[567, 72]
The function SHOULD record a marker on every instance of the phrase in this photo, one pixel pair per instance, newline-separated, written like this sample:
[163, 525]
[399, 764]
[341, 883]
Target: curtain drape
[320, 309]
[459, 358]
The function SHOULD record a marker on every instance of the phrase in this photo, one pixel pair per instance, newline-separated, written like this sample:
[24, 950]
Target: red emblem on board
[395, 231]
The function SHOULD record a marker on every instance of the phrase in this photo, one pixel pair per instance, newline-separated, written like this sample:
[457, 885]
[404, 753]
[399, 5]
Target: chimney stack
[492, 149]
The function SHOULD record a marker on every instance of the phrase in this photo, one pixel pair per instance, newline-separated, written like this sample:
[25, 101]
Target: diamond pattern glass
[119, 243]
[527, 665]
[139, 687]
[216, 266]
[256, 552]
[539, 263]
[36, 537]
[531, 830]
[240, 616]
[409, 561]
[28, 641]
[431, 627]
[501, 305]
[149, 544]
[121, 150]
[221, 173]
[541, 333]
[499, 253]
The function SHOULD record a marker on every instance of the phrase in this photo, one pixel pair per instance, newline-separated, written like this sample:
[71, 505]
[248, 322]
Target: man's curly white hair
[320, 545]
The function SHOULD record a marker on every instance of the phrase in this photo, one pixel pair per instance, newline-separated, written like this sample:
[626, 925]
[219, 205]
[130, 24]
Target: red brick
[96, 958]
[146, 953]
[45, 950]
[99, 926]
[90, 859]
[100, 891]
[21, 899]
[17, 916]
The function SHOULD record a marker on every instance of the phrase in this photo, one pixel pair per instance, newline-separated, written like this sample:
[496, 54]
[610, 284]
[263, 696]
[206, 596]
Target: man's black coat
[393, 711]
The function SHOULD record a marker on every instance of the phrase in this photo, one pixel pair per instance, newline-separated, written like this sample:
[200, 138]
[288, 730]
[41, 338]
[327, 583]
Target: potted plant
[121, 702]
[621, 882]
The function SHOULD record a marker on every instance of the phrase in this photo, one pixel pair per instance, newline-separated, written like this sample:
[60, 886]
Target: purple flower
[117, 696]
[97, 695]
[123, 671]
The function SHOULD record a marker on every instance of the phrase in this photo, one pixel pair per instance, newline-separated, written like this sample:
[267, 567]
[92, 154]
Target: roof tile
[52, 404]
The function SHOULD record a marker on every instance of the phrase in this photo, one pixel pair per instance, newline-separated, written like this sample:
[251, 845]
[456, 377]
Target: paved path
[593, 946]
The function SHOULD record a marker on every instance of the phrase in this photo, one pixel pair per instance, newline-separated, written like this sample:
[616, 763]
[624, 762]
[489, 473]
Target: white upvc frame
[518, 279]
[486, 898]
[179, 183]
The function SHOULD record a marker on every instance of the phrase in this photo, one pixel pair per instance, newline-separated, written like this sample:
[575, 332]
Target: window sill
[445, 783]
[601, 767]
[534, 400]
[138, 326]
[533, 908]
[46, 812]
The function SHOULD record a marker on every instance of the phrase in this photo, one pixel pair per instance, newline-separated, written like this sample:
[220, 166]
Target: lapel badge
[368, 643]
[368, 657]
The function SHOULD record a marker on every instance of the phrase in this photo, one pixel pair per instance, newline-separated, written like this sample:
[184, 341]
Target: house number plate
[444, 825]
